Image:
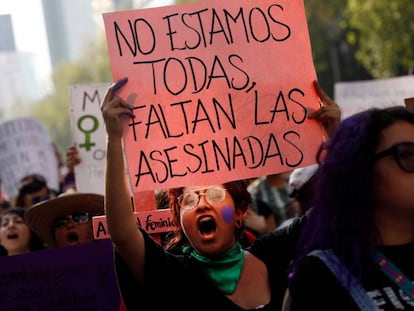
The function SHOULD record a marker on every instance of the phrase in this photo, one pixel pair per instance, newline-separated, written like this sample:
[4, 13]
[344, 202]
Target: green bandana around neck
[224, 270]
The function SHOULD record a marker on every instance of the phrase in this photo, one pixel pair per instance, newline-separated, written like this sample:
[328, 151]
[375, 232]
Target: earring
[238, 223]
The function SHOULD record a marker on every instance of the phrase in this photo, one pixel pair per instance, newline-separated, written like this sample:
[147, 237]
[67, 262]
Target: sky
[30, 32]
[27, 22]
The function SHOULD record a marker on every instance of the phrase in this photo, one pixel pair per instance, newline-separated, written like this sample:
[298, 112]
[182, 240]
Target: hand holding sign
[223, 97]
[113, 107]
[222, 104]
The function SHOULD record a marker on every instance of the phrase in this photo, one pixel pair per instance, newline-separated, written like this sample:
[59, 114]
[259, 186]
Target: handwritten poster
[219, 89]
[26, 148]
[152, 221]
[356, 96]
[78, 277]
[88, 133]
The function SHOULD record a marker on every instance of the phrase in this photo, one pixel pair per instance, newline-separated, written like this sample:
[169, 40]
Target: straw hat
[40, 216]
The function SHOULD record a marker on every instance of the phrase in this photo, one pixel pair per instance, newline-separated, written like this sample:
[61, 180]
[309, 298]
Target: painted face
[73, 230]
[393, 183]
[14, 234]
[208, 218]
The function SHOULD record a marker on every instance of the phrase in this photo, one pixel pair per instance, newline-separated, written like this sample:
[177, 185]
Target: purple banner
[78, 278]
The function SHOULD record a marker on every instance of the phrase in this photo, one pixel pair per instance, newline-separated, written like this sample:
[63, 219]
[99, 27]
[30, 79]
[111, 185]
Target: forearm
[120, 218]
[119, 211]
[118, 206]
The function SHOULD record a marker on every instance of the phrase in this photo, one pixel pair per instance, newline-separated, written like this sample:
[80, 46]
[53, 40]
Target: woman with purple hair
[356, 250]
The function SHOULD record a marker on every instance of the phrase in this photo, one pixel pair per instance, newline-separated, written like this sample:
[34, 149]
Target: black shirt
[177, 281]
[314, 287]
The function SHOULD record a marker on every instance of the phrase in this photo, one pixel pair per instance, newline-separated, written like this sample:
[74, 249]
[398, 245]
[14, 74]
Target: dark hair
[5, 204]
[341, 217]
[35, 243]
[30, 184]
[237, 190]
[304, 195]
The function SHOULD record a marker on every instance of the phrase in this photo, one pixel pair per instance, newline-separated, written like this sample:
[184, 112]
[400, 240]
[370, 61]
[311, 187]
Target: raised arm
[121, 223]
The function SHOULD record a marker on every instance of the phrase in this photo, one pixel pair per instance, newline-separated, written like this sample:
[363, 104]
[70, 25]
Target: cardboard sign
[78, 277]
[356, 96]
[88, 133]
[26, 148]
[409, 103]
[153, 222]
[219, 89]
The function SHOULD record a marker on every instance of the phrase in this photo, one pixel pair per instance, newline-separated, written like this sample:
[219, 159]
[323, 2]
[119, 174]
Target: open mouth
[72, 237]
[12, 236]
[206, 225]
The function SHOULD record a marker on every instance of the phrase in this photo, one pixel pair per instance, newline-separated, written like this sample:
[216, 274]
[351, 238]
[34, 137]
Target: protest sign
[77, 277]
[26, 148]
[219, 89]
[88, 133]
[152, 221]
[356, 96]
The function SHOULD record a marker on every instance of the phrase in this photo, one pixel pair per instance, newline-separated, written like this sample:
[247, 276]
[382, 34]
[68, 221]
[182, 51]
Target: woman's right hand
[72, 158]
[114, 109]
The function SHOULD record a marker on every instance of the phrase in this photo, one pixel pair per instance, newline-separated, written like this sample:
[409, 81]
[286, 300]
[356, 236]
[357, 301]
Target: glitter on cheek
[228, 214]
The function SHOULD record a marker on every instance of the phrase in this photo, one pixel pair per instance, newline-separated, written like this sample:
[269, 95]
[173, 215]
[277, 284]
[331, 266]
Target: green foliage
[333, 55]
[53, 111]
[386, 32]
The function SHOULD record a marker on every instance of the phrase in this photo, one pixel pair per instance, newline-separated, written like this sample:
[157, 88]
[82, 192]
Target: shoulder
[311, 267]
[284, 239]
[313, 286]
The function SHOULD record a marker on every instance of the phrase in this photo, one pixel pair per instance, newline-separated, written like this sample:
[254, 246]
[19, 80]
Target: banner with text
[26, 148]
[356, 96]
[88, 133]
[219, 89]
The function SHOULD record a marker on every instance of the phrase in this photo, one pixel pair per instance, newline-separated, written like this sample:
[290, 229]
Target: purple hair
[341, 217]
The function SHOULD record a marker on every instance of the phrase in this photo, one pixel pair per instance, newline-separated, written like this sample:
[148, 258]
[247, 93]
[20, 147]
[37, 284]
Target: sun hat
[299, 177]
[40, 216]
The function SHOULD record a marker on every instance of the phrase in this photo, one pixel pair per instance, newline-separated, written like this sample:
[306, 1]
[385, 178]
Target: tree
[333, 55]
[386, 32]
[53, 110]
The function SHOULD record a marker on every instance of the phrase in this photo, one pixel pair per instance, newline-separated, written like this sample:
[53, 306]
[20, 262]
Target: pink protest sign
[220, 90]
[153, 222]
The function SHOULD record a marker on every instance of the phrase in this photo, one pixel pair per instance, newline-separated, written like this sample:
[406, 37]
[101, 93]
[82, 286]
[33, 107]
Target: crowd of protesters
[337, 235]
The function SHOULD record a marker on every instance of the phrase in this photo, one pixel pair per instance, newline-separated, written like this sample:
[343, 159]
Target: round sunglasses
[79, 218]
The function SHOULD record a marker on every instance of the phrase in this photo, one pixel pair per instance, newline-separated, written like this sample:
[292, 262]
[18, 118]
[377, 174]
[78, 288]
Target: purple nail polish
[119, 84]
[128, 114]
